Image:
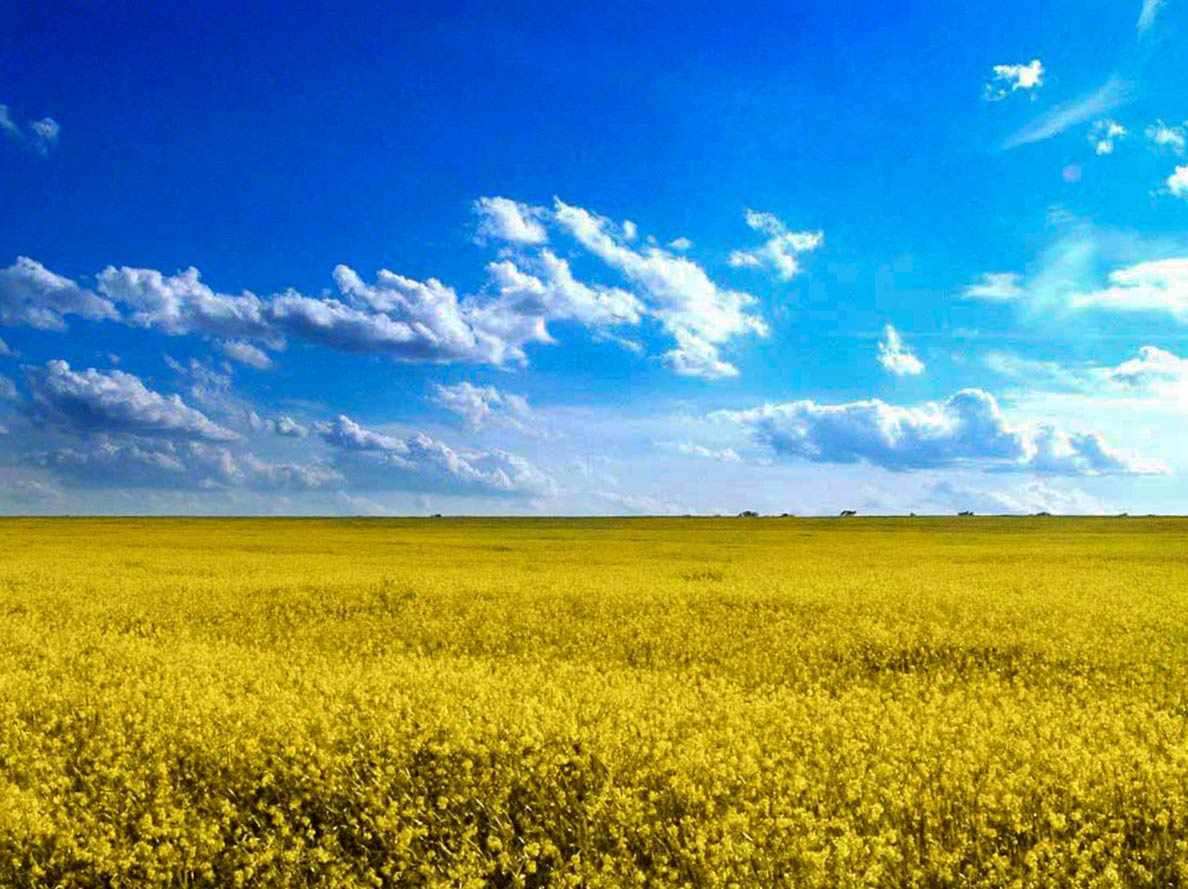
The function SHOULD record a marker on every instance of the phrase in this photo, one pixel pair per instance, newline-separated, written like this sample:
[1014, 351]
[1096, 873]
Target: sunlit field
[774, 702]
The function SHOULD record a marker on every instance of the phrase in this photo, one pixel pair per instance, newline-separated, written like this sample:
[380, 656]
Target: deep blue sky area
[605, 257]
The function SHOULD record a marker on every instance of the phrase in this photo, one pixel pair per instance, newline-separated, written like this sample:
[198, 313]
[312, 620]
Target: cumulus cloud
[32, 295]
[1156, 286]
[700, 315]
[996, 287]
[1028, 499]
[525, 298]
[1177, 182]
[111, 463]
[93, 401]
[417, 461]
[246, 354]
[969, 428]
[180, 304]
[1154, 369]
[411, 320]
[781, 251]
[1007, 79]
[1104, 135]
[896, 357]
[479, 406]
[1167, 138]
[680, 244]
[502, 219]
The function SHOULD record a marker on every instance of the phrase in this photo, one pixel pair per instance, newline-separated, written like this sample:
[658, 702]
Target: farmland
[602, 703]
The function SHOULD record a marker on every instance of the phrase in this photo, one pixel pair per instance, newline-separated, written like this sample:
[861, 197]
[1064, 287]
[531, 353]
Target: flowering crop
[603, 703]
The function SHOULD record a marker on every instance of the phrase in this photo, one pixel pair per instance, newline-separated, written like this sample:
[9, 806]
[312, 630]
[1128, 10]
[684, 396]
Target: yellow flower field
[603, 703]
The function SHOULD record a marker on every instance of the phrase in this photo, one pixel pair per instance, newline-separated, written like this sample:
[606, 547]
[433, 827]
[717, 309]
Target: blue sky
[410, 258]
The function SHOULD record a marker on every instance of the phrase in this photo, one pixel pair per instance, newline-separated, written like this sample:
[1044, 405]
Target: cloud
[1104, 135]
[1111, 95]
[181, 304]
[781, 251]
[1167, 138]
[1147, 15]
[1154, 369]
[247, 354]
[1156, 286]
[93, 401]
[1177, 182]
[996, 287]
[502, 219]
[680, 244]
[482, 405]
[1007, 79]
[1028, 499]
[426, 321]
[692, 449]
[968, 429]
[40, 136]
[109, 463]
[896, 357]
[44, 135]
[699, 315]
[418, 462]
[554, 295]
[32, 295]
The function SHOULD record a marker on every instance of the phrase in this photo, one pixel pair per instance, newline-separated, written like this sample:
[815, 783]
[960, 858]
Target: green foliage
[468, 703]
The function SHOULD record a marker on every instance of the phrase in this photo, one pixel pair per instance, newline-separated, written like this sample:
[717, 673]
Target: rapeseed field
[602, 703]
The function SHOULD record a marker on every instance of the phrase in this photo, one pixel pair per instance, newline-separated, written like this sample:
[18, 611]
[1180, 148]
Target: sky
[574, 259]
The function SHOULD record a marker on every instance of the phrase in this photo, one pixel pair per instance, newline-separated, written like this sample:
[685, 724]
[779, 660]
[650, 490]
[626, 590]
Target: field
[604, 703]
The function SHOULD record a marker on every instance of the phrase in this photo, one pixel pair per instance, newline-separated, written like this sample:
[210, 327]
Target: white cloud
[247, 354]
[502, 219]
[782, 249]
[1109, 96]
[1177, 182]
[555, 294]
[1007, 79]
[93, 401]
[1028, 499]
[182, 304]
[692, 449]
[699, 315]
[483, 405]
[1154, 369]
[896, 357]
[108, 463]
[32, 295]
[1105, 135]
[419, 462]
[969, 428]
[1157, 286]
[1148, 14]
[680, 244]
[996, 287]
[1169, 138]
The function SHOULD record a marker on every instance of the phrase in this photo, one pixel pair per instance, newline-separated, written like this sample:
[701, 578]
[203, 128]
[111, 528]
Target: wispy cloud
[1112, 94]
[39, 135]
[1147, 16]
[896, 357]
